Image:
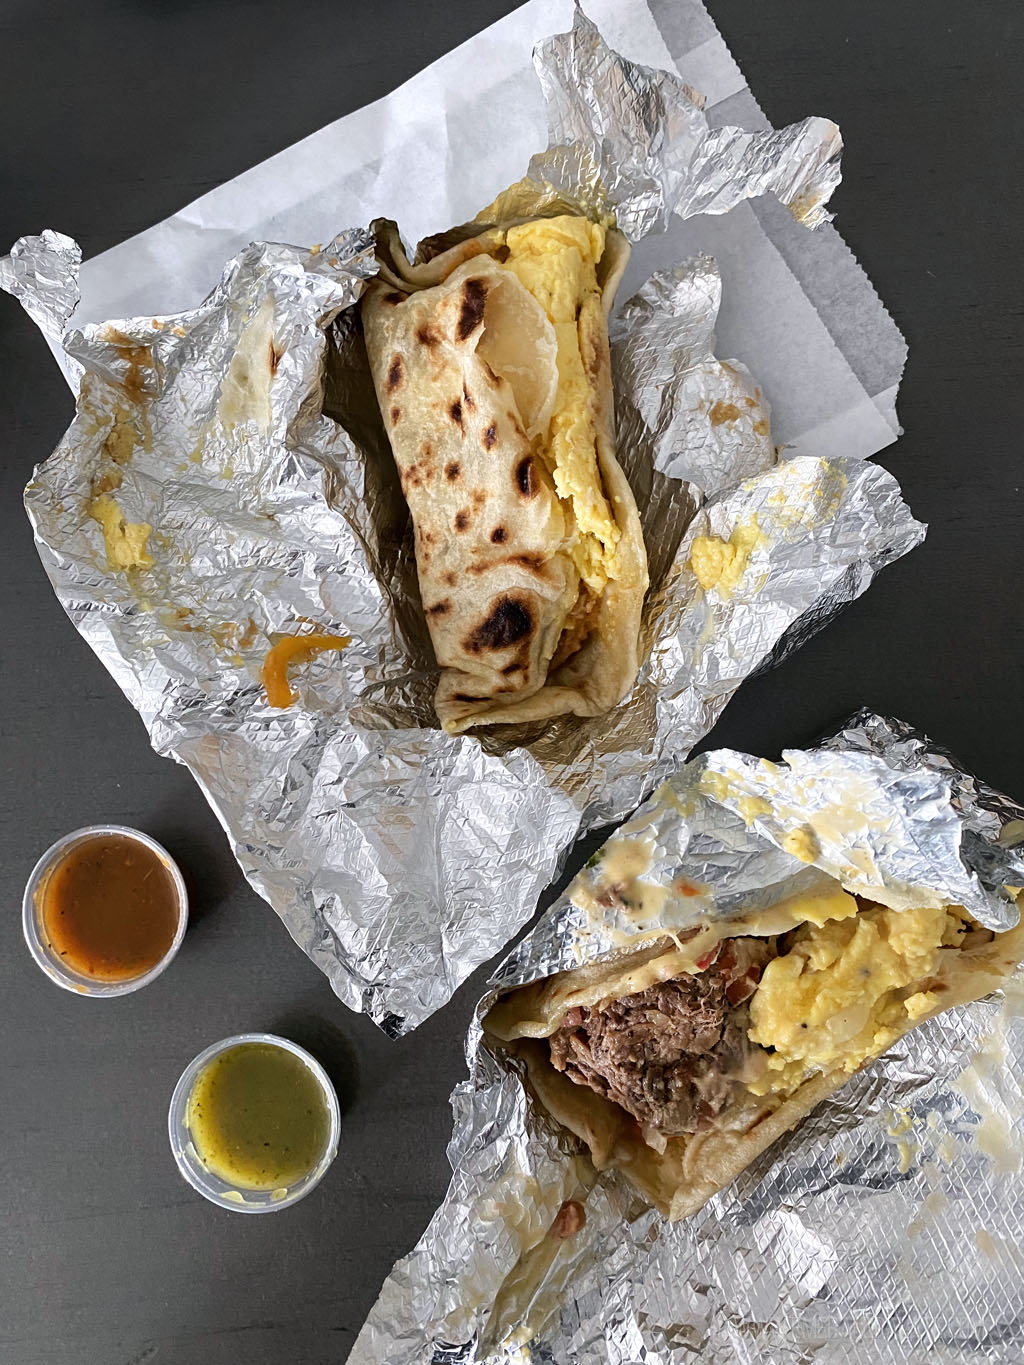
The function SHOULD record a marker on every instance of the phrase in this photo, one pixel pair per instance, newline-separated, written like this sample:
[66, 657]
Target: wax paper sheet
[244, 435]
[886, 1228]
[798, 308]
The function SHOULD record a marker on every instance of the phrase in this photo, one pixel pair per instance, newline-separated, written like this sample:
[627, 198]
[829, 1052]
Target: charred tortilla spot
[490, 435]
[525, 478]
[439, 608]
[461, 520]
[508, 623]
[517, 426]
[499, 535]
[509, 669]
[760, 1118]
[478, 498]
[428, 336]
[275, 357]
[394, 374]
[455, 412]
[450, 578]
[467, 398]
[464, 696]
[394, 298]
[452, 471]
[396, 414]
[415, 476]
[528, 561]
[471, 313]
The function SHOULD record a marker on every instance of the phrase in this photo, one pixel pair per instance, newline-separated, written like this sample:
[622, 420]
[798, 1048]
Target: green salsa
[258, 1117]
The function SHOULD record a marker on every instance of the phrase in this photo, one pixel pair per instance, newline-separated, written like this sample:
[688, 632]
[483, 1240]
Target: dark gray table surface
[114, 113]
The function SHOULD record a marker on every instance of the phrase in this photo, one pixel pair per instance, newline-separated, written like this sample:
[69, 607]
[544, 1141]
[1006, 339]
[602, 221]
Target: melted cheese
[555, 259]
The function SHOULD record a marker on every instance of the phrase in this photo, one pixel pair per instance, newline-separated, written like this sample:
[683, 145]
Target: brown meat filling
[668, 1054]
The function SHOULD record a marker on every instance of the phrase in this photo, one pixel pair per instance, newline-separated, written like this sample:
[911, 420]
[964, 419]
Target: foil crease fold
[650, 144]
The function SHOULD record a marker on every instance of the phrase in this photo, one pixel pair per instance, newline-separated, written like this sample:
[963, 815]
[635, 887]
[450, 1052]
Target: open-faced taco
[681, 1062]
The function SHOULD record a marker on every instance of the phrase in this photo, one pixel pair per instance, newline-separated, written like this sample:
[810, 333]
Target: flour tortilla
[464, 363]
[681, 1179]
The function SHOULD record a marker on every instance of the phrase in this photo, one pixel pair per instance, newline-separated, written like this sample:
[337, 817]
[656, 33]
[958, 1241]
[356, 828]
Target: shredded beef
[667, 1054]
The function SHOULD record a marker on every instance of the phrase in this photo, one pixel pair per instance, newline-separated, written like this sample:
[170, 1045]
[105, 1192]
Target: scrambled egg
[841, 995]
[122, 437]
[719, 563]
[555, 259]
[125, 541]
[809, 907]
[802, 843]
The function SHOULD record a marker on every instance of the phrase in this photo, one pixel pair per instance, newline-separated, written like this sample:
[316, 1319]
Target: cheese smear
[555, 259]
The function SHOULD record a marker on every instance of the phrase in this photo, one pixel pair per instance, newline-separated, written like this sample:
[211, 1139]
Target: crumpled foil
[246, 434]
[42, 274]
[885, 1228]
[648, 143]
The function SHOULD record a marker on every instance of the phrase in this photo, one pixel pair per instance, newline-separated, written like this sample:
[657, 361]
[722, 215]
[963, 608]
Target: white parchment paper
[797, 308]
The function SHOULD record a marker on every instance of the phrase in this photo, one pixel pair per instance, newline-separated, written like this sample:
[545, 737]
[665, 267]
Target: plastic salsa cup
[185, 1144]
[58, 967]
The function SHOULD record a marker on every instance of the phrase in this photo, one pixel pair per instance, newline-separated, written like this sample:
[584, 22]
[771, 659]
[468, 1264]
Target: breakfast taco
[491, 366]
[681, 1062]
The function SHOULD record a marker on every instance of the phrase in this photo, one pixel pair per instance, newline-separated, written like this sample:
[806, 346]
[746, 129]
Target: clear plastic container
[35, 933]
[211, 1186]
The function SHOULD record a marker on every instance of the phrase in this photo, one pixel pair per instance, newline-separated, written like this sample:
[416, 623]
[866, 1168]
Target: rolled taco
[491, 367]
[680, 1063]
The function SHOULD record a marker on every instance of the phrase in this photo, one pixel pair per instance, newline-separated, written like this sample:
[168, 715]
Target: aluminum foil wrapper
[42, 274]
[245, 436]
[650, 150]
[885, 1228]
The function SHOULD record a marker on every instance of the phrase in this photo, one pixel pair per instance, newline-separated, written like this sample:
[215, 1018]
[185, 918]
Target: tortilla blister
[464, 364]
